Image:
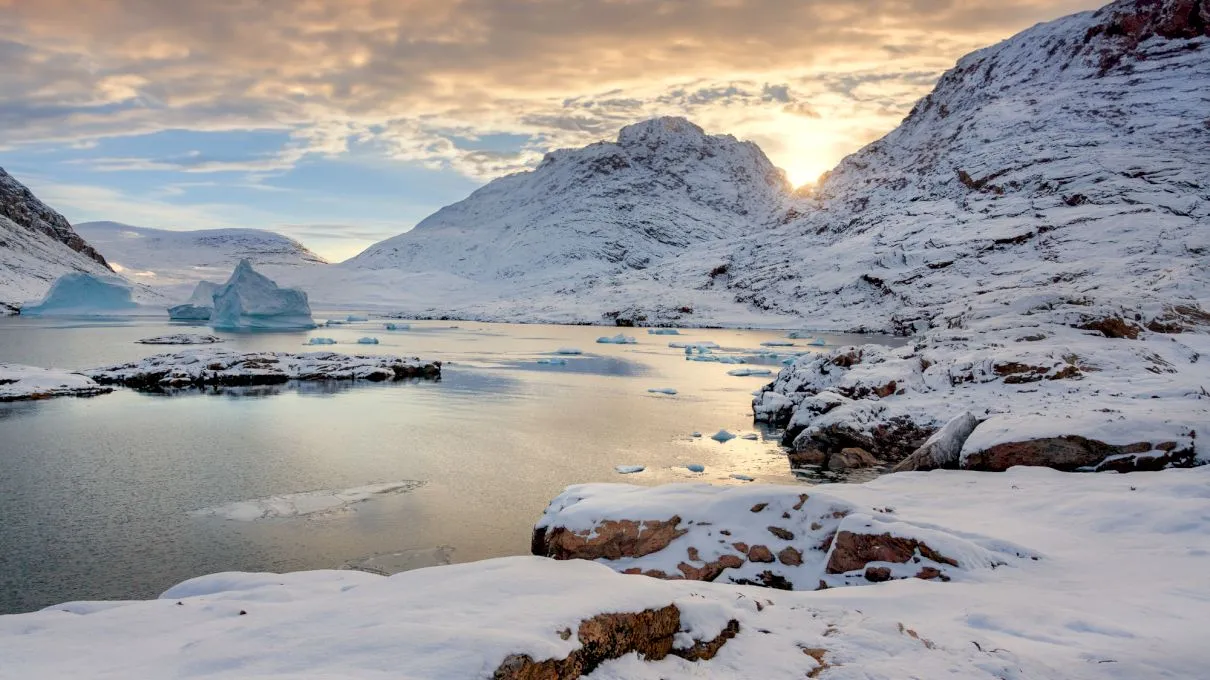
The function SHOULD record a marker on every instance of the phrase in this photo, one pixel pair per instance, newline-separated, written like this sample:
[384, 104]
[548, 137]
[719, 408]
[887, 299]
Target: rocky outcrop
[650, 633]
[1073, 452]
[943, 449]
[19, 205]
[612, 540]
[30, 383]
[208, 367]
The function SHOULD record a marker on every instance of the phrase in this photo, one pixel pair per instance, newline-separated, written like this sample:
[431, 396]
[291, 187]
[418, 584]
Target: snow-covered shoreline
[21, 383]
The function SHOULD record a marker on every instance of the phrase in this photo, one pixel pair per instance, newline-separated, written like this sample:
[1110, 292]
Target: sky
[344, 122]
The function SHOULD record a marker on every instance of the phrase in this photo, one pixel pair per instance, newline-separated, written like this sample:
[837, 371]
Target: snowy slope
[1066, 166]
[37, 245]
[586, 215]
[177, 260]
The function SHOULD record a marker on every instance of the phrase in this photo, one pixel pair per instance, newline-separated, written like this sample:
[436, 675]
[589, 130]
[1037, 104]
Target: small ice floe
[694, 348]
[568, 351]
[354, 318]
[742, 478]
[321, 341]
[696, 357]
[334, 322]
[552, 362]
[751, 436]
[818, 342]
[722, 436]
[731, 360]
[697, 434]
[304, 504]
[743, 372]
[628, 469]
[703, 344]
[398, 326]
[695, 467]
[787, 361]
[798, 335]
[776, 343]
[618, 339]
[367, 341]
[661, 390]
[663, 331]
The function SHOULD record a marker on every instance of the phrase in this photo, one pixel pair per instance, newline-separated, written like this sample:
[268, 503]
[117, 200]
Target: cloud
[411, 77]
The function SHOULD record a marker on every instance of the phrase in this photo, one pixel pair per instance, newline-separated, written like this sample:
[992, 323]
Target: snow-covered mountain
[585, 215]
[37, 245]
[176, 260]
[1066, 166]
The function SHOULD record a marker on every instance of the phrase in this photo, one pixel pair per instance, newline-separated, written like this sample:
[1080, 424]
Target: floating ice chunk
[722, 436]
[321, 341]
[731, 360]
[750, 436]
[695, 467]
[252, 302]
[742, 478]
[697, 357]
[303, 504]
[199, 306]
[367, 341]
[776, 343]
[743, 372]
[703, 344]
[628, 469]
[661, 390]
[818, 342]
[798, 335]
[787, 361]
[618, 339]
[398, 326]
[663, 331]
[552, 362]
[697, 434]
[83, 293]
[354, 318]
[569, 351]
[335, 322]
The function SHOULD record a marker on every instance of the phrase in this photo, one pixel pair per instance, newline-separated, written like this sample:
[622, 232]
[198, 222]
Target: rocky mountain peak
[19, 204]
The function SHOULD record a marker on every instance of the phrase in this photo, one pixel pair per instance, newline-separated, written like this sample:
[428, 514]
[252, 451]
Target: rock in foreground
[204, 367]
[19, 383]
[252, 302]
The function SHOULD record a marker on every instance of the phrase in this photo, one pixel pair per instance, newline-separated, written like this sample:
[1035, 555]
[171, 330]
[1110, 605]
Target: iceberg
[252, 302]
[321, 341]
[354, 318]
[750, 436]
[695, 467]
[199, 306]
[722, 436]
[744, 372]
[398, 326]
[817, 342]
[568, 351]
[618, 339]
[662, 390]
[742, 478]
[663, 331]
[82, 293]
[628, 469]
[367, 341]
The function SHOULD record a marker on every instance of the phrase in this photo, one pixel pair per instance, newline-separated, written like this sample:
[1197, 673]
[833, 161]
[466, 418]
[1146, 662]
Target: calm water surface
[98, 496]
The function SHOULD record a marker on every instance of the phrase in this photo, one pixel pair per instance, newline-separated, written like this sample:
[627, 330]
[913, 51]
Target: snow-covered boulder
[201, 367]
[777, 536]
[199, 306]
[18, 382]
[81, 293]
[252, 302]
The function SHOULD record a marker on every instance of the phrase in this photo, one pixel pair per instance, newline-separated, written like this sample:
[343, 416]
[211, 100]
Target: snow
[722, 436]
[229, 367]
[304, 504]
[80, 293]
[628, 469]
[181, 339]
[367, 341]
[662, 390]
[321, 341]
[251, 302]
[199, 306]
[19, 382]
[618, 339]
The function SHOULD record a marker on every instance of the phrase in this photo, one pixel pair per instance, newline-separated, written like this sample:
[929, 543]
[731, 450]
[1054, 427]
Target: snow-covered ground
[19, 382]
[210, 366]
[1117, 592]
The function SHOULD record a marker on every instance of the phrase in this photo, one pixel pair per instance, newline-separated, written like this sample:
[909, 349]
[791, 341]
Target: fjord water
[96, 494]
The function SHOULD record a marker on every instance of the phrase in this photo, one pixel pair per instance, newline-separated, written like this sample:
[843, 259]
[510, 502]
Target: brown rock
[807, 456]
[758, 507]
[877, 574]
[710, 570]
[781, 533]
[1069, 452]
[692, 553]
[740, 546]
[791, 557]
[852, 551]
[851, 458]
[1112, 327]
[886, 390]
[611, 540]
[802, 498]
[929, 573]
[760, 553]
